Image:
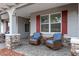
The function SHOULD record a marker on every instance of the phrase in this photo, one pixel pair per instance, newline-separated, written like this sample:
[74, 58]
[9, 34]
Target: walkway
[41, 50]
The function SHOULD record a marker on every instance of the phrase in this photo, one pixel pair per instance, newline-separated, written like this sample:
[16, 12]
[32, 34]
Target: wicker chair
[35, 39]
[55, 42]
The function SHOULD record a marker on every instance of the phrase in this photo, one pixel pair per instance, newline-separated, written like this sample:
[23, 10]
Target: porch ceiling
[27, 10]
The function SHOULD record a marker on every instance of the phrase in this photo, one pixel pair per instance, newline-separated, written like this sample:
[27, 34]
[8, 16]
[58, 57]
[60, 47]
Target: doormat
[9, 52]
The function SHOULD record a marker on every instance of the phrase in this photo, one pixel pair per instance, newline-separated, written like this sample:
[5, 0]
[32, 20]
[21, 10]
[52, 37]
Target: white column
[12, 22]
[2, 31]
[0, 23]
[78, 20]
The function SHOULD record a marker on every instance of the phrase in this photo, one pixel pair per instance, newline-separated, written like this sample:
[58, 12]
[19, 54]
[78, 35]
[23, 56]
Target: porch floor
[41, 50]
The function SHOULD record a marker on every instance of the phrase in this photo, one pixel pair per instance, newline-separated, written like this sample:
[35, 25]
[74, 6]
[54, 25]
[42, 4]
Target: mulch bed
[9, 52]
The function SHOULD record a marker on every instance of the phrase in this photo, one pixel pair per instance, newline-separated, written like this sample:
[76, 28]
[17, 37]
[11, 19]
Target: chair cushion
[57, 41]
[36, 35]
[50, 41]
[57, 36]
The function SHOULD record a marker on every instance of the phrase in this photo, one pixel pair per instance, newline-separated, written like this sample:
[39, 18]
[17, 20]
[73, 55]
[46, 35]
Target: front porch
[28, 22]
[41, 50]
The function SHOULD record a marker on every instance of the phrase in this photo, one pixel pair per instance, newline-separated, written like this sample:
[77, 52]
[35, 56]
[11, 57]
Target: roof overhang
[27, 10]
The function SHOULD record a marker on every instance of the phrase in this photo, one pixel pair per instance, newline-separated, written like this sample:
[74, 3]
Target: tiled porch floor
[41, 50]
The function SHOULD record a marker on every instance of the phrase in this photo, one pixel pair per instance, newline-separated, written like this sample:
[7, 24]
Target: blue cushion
[57, 40]
[36, 35]
[57, 36]
[50, 41]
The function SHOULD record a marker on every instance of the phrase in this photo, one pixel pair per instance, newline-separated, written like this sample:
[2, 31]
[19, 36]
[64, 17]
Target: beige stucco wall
[72, 18]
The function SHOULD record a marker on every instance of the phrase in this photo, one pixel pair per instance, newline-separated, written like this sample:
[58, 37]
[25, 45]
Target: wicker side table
[43, 40]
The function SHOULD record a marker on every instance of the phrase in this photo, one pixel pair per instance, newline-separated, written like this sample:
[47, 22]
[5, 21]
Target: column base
[12, 40]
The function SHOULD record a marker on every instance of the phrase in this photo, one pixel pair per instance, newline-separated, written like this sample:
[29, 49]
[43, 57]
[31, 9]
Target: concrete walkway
[41, 50]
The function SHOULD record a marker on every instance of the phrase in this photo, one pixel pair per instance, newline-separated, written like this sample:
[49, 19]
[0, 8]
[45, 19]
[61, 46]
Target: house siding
[72, 27]
[21, 21]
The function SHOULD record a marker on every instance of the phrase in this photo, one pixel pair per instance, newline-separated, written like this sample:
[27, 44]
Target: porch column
[0, 23]
[78, 20]
[12, 21]
[13, 38]
[2, 31]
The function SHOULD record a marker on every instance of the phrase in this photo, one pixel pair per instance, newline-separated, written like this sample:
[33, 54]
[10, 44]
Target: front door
[27, 29]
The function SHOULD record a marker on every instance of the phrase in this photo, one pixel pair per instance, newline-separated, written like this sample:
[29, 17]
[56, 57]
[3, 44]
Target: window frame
[44, 23]
[49, 32]
[61, 22]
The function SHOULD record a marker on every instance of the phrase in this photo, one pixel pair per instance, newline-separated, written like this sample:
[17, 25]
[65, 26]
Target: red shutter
[38, 23]
[64, 22]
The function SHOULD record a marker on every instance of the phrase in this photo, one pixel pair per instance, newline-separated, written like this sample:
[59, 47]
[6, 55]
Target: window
[55, 20]
[45, 23]
[26, 27]
[52, 24]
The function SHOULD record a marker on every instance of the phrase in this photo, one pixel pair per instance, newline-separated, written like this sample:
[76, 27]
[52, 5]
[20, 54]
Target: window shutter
[38, 23]
[64, 22]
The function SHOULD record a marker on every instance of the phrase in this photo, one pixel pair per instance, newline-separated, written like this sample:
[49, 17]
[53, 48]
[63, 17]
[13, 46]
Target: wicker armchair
[55, 42]
[35, 39]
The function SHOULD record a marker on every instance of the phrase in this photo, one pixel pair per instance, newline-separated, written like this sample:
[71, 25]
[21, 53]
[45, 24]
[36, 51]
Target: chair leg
[35, 42]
